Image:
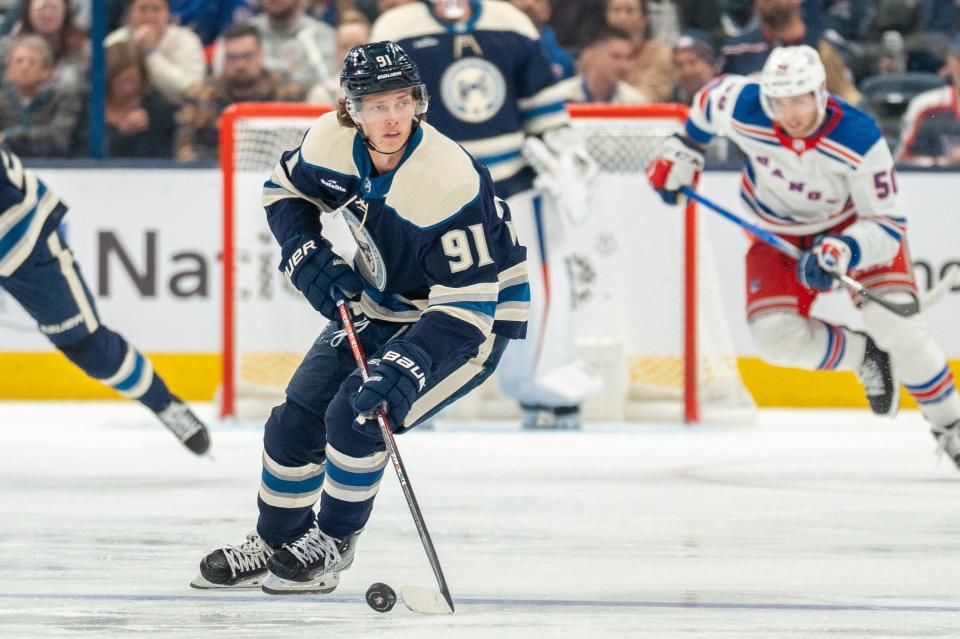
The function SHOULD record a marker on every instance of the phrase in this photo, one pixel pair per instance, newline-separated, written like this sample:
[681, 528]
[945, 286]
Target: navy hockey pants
[312, 452]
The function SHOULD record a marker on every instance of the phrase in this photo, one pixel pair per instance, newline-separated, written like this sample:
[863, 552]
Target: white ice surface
[808, 524]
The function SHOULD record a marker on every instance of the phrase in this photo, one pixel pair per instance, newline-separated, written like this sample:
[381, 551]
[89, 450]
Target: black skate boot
[879, 382]
[537, 417]
[311, 564]
[948, 441]
[242, 566]
[181, 421]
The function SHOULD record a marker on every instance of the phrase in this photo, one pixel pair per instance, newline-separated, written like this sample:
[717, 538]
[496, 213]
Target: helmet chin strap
[370, 145]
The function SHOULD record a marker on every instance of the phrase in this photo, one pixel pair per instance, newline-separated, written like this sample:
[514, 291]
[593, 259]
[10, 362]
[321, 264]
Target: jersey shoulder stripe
[854, 135]
[435, 183]
[329, 145]
[748, 109]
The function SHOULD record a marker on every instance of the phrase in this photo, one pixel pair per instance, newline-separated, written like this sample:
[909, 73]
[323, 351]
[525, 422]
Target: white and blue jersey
[489, 81]
[27, 208]
[435, 247]
[807, 186]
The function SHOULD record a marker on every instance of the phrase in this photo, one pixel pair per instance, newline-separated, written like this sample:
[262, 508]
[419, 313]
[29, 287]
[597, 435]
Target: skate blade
[202, 584]
[425, 601]
[273, 585]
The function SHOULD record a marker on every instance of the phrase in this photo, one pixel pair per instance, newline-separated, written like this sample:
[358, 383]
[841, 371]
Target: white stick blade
[425, 600]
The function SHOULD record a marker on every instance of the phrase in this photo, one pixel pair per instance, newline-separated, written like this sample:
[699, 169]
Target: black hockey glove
[396, 381]
[317, 272]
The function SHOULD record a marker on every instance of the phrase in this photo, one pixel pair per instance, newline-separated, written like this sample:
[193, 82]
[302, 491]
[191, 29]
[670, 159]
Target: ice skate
[550, 418]
[311, 564]
[187, 427]
[242, 566]
[948, 441]
[879, 382]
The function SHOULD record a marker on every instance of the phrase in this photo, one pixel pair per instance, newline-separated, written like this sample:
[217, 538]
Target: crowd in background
[173, 66]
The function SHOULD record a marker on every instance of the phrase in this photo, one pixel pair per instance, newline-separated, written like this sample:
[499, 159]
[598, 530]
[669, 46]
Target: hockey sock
[108, 358]
[293, 472]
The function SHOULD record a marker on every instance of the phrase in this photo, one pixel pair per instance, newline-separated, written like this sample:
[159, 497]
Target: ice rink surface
[806, 524]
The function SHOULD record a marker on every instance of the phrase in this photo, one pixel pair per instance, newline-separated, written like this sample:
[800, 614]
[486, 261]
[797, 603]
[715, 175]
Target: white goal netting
[628, 265]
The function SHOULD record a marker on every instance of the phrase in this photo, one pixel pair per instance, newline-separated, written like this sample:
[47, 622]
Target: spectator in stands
[664, 19]
[539, 13]
[651, 69]
[294, 43]
[174, 54]
[38, 115]
[244, 79]
[604, 64]
[354, 30]
[930, 132]
[332, 12]
[208, 18]
[53, 21]
[693, 63]
[575, 21]
[781, 23]
[140, 121]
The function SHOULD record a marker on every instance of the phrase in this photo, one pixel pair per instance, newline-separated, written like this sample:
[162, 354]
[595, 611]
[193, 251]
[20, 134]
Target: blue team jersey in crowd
[489, 80]
[435, 246]
[27, 210]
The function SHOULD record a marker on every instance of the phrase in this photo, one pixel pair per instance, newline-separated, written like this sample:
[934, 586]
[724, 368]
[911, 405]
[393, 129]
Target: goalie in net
[819, 174]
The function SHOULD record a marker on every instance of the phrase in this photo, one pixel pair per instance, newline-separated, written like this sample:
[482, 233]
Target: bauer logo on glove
[395, 382]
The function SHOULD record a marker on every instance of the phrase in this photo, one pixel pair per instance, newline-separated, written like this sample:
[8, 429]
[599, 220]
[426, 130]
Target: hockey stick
[777, 242]
[415, 598]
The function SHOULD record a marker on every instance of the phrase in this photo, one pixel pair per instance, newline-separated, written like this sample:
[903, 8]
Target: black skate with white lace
[242, 566]
[948, 441]
[186, 426]
[879, 382]
[311, 564]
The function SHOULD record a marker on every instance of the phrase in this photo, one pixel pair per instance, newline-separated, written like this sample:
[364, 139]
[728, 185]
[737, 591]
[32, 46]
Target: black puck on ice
[381, 597]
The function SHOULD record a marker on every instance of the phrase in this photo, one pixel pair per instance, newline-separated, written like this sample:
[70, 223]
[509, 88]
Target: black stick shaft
[398, 466]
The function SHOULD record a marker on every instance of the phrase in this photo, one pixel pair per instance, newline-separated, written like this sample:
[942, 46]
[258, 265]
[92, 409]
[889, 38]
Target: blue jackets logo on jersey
[368, 258]
[473, 90]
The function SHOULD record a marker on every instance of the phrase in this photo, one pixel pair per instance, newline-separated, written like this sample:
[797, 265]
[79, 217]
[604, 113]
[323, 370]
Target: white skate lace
[250, 555]
[315, 546]
[341, 335]
[178, 419]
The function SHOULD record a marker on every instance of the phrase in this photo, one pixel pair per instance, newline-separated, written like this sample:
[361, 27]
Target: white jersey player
[493, 91]
[819, 174]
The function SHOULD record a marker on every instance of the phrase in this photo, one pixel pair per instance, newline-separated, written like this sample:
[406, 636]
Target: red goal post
[621, 137]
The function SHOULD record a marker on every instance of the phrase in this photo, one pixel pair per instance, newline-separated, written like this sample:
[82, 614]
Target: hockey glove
[318, 273]
[395, 383]
[678, 165]
[830, 255]
[564, 169]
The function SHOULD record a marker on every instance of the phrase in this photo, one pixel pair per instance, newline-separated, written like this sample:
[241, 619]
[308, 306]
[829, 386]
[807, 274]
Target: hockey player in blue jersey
[494, 92]
[440, 286]
[38, 270]
[819, 174]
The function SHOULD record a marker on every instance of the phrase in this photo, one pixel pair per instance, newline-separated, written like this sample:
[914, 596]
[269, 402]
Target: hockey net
[649, 311]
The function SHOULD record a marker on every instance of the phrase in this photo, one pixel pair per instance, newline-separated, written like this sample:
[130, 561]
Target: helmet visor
[397, 105]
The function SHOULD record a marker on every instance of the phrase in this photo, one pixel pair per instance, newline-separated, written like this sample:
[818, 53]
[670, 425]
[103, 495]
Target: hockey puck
[381, 597]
